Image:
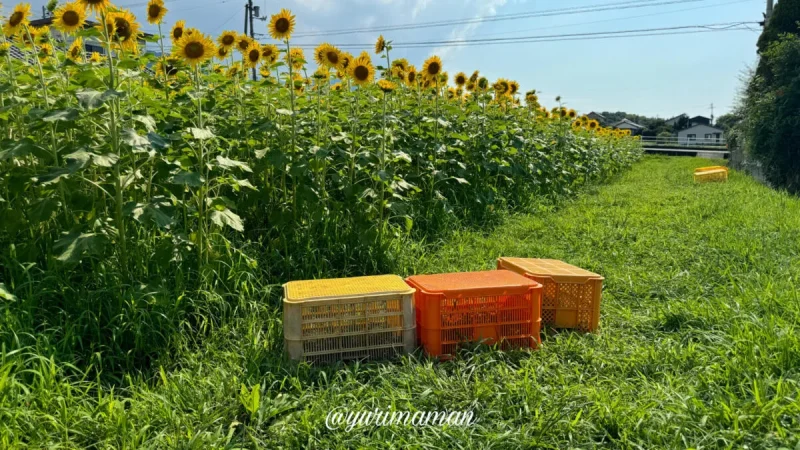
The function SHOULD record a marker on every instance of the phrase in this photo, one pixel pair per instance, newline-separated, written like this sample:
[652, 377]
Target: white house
[701, 134]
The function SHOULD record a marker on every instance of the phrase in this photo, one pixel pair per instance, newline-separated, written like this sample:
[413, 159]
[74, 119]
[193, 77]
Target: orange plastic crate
[489, 307]
[711, 173]
[325, 321]
[571, 295]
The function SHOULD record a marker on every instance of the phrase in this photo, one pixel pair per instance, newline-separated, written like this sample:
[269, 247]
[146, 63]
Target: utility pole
[712, 114]
[770, 7]
[250, 13]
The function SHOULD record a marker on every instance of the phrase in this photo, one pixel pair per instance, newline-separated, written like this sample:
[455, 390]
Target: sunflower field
[139, 191]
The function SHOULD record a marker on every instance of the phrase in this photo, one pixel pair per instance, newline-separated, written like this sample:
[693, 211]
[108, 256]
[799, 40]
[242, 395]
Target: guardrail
[674, 141]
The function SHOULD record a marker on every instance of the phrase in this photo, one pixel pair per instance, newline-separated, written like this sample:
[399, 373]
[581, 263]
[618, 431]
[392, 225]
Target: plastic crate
[489, 307]
[325, 321]
[712, 173]
[570, 295]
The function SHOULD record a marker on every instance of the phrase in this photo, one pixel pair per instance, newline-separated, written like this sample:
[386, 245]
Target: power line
[554, 37]
[630, 4]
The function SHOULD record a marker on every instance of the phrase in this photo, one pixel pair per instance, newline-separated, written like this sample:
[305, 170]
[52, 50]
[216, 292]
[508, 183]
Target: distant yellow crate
[712, 173]
[325, 321]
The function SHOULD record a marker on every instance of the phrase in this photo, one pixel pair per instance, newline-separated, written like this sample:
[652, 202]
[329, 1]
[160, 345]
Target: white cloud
[487, 8]
[419, 6]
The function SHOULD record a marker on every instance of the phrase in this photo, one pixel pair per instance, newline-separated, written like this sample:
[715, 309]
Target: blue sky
[657, 76]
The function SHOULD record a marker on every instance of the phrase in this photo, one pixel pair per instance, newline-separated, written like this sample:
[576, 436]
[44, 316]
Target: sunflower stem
[294, 127]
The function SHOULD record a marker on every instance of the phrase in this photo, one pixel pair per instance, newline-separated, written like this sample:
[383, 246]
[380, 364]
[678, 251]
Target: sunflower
[269, 53]
[156, 11]
[474, 77]
[572, 114]
[459, 92]
[386, 86]
[584, 120]
[96, 57]
[75, 52]
[322, 73]
[297, 83]
[362, 71]
[346, 59]
[563, 112]
[69, 18]
[513, 88]
[483, 83]
[460, 79]
[444, 77]
[471, 86]
[96, 6]
[177, 30]
[168, 67]
[46, 50]
[400, 63]
[243, 41]
[329, 56]
[432, 67]
[336, 87]
[234, 70]
[227, 39]
[252, 56]
[501, 86]
[123, 29]
[380, 45]
[222, 53]
[17, 19]
[5, 47]
[217, 68]
[194, 49]
[281, 25]
[577, 124]
[264, 71]
[296, 58]
[451, 93]
[42, 35]
[593, 124]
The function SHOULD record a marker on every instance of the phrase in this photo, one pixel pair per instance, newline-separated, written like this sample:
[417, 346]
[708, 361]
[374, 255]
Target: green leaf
[201, 133]
[91, 99]
[227, 217]
[23, 148]
[43, 210]
[64, 115]
[192, 179]
[5, 294]
[158, 142]
[227, 163]
[132, 138]
[158, 212]
[75, 245]
[284, 112]
[148, 122]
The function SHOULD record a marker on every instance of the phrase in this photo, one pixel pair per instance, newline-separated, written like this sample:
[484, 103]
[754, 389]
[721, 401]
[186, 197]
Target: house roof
[702, 125]
[36, 23]
[627, 122]
[700, 117]
[596, 114]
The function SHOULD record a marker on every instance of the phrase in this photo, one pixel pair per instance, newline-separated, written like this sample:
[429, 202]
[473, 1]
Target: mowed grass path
[698, 344]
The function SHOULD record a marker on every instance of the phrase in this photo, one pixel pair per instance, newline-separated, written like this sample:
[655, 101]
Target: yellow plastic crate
[711, 173]
[325, 321]
[570, 295]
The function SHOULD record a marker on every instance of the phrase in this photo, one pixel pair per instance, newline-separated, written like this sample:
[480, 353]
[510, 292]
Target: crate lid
[558, 270]
[296, 291]
[711, 169]
[492, 282]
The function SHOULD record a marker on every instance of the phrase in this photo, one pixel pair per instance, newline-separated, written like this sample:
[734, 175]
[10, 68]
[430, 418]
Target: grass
[698, 345]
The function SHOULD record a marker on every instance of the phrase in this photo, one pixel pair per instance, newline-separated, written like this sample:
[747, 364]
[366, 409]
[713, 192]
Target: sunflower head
[69, 18]
[361, 70]
[265, 73]
[269, 53]
[483, 83]
[234, 70]
[329, 56]
[75, 52]
[168, 67]
[17, 19]
[156, 11]
[243, 41]
[411, 76]
[46, 50]
[474, 77]
[217, 68]
[501, 86]
[386, 86]
[281, 25]
[380, 45]
[194, 49]
[460, 79]
[572, 114]
[322, 73]
[5, 47]
[471, 85]
[96, 6]
[96, 57]
[593, 125]
[336, 87]
[400, 63]
[177, 30]
[346, 60]
[42, 35]
[123, 29]
[296, 58]
[513, 88]
[252, 56]
[459, 92]
[227, 39]
[563, 112]
[432, 67]
[222, 53]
